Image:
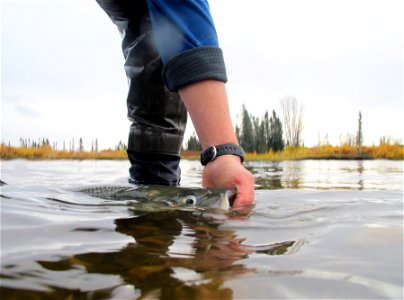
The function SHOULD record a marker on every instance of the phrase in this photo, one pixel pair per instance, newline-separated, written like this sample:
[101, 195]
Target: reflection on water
[320, 229]
[173, 255]
[329, 174]
[156, 263]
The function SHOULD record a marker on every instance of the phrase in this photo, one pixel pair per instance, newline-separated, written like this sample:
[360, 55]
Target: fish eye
[190, 200]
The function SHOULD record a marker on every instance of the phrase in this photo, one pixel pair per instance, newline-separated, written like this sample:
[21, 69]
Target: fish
[167, 196]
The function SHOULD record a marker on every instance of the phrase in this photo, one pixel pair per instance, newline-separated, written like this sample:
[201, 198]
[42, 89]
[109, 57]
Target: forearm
[207, 104]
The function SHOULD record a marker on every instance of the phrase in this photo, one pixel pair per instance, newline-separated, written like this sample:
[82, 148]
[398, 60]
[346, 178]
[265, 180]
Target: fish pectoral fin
[231, 195]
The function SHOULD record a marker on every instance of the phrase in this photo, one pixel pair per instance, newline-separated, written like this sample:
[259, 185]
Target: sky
[62, 73]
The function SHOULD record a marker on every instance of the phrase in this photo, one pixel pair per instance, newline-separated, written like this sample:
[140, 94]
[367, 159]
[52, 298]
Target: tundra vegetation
[263, 138]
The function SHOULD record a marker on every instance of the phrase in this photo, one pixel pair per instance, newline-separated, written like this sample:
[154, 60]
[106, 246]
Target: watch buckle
[214, 153]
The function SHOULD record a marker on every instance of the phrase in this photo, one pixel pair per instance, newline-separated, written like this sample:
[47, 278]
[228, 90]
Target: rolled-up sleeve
[187, 41]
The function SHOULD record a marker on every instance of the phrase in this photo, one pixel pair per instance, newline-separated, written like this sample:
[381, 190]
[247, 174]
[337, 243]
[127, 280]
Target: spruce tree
[193, 143]
[275, 141]
[246, 131]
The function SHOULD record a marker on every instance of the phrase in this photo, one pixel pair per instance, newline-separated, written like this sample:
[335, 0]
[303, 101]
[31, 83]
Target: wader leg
[158, 116]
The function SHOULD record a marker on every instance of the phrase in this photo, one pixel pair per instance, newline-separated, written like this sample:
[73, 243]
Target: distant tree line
[44, 142]
[255, 134]
[268, 133]
[260, 134]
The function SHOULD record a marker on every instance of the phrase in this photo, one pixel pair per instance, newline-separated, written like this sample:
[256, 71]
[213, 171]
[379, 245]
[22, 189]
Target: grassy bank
[333, 152]
[46, 152]
[323, 152]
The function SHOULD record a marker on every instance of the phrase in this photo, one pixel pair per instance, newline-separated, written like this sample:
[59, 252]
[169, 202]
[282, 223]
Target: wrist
[213, 152]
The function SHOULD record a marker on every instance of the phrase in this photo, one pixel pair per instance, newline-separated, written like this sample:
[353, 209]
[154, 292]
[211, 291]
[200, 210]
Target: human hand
[226, 171]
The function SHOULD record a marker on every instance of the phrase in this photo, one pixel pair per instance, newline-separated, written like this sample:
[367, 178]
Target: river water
[320, 229]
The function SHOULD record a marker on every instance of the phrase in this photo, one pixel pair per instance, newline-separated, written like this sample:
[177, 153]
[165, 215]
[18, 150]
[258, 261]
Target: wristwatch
[214, 151]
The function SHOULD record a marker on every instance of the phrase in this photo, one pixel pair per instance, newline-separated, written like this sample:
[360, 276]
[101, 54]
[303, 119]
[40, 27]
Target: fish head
[208, 198]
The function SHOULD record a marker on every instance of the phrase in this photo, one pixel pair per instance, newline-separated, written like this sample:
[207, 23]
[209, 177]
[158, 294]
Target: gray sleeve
[197, 64]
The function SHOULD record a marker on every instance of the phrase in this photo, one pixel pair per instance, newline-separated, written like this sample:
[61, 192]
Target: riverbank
[395, 152]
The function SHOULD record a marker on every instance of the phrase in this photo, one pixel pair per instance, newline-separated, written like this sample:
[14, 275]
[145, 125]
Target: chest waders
[158, 115]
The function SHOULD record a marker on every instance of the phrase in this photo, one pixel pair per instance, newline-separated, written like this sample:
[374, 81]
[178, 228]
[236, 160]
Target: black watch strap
[214, 151]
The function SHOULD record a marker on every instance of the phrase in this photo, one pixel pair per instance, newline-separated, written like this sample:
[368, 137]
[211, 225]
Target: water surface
[320, 229]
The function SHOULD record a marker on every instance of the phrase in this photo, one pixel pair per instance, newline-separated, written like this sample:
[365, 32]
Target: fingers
[245, 191]
[227, 172]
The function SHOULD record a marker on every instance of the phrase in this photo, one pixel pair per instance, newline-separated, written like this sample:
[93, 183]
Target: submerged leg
[158, 115]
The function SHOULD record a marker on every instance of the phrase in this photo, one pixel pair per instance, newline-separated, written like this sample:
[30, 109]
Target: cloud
[62, 66]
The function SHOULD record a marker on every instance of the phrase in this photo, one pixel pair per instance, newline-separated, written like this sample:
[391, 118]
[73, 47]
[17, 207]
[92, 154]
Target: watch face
[209, 155]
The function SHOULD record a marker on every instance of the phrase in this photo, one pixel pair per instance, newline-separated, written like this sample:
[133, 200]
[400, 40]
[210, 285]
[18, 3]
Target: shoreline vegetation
[384, 151]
